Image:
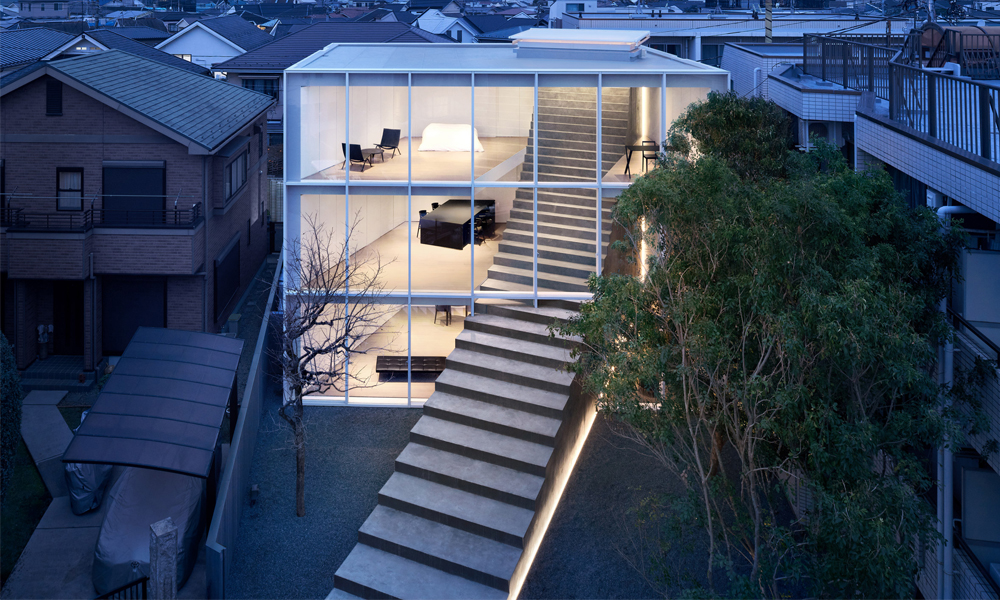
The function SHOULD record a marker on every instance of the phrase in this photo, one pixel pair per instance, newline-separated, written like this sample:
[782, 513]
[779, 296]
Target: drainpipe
[946, 494]
[756, 81]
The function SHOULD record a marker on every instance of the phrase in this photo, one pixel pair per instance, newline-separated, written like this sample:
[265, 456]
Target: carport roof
[163, 404]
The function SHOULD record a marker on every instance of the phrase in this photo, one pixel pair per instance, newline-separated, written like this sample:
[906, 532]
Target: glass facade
[500, 188]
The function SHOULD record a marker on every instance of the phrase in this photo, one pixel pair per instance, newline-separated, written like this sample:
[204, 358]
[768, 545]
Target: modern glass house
[509, 161]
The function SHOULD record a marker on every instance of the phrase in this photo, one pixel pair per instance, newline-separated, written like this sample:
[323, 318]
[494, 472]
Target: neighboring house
[127, 201]
[146, 35]
[22, 47]
[43, 9]
[212, 41]
[456, 28]
[942, 151]
[262, 69]
[386, 15]
[100, 40]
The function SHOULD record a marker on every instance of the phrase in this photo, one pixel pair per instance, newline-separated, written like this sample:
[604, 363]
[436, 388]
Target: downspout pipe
[945, 487]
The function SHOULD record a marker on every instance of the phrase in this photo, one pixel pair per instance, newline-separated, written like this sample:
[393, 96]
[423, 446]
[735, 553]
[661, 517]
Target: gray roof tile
[201, 109]
[114, 41]
[292, 48]
[22, 46]
[238, 31]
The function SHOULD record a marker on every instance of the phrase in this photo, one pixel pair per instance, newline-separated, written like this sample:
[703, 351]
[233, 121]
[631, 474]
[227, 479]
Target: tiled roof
[238, 31]
[200, 109]
[22, 46]
[292, 48]
[490, 23]
[114, 41]
[141, 32]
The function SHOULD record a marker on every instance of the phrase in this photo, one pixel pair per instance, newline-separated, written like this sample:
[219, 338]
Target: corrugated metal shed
[163, 404]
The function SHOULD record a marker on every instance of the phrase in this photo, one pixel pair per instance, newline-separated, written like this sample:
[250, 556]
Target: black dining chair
[649, 152]
[390, 141]
[420, 223]
[434, 205]
[357, 156]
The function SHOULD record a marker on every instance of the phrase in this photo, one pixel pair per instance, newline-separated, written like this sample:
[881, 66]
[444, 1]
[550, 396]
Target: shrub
[10, 412]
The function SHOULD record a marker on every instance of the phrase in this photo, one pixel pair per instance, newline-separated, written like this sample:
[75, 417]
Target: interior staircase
[474, 489]
[567, 218]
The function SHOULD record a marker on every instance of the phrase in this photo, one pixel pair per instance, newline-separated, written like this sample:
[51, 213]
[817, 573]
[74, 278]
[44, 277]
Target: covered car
[138, 499]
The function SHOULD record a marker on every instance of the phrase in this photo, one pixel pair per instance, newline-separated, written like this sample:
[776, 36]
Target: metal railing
[234, 484]
[20, 219]
[954, 110]
[137, 590]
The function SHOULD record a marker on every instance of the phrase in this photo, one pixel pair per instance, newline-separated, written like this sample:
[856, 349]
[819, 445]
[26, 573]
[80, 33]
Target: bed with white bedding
[449, 137]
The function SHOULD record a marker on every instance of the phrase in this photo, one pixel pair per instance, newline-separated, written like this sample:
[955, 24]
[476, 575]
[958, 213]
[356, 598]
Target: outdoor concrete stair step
[339, 594]
[489, 518]
[545, 265]
[581, 196]
[372, 573]
[527, 251]
[552, 241]
[505, 369]
[544, 354]
[481, 444]
[542, 315]
[545, 171]
[559, 208]
[492, 417]
[555, 147]
[607, 120]
[502, 393]
[554, 218]
[552, 281]
[442, 547]
[500, 285]
[554, 178]
[520, 329]
[470, 475]
[552, 229]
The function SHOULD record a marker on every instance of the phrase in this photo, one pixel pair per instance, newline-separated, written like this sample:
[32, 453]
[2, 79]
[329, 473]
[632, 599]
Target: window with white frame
[236, 174]
[69, 188]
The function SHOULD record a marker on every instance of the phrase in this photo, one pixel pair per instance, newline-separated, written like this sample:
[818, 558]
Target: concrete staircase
[567, 218]
[473, 491]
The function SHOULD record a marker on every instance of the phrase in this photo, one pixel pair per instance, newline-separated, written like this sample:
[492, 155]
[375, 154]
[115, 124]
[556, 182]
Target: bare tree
[331, 307]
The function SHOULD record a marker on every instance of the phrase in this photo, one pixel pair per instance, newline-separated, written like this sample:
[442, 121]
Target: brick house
[132, 195]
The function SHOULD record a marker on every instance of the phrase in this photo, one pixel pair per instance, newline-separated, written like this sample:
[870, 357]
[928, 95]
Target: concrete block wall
[814, 105]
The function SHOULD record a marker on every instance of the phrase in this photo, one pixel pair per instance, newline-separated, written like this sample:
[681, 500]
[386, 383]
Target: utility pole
[767, 21]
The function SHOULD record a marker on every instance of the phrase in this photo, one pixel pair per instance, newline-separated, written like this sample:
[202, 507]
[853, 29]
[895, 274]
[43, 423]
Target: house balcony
[77, 244]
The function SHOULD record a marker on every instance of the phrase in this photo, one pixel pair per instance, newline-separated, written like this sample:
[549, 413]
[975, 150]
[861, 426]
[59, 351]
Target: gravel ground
[349, 456]
[577, 558]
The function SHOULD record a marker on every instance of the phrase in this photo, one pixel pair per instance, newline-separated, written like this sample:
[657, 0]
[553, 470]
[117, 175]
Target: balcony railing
[955, 110]
[183, 218]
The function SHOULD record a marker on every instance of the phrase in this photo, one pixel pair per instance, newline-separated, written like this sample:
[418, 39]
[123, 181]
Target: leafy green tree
[784, 330]
[11, 396]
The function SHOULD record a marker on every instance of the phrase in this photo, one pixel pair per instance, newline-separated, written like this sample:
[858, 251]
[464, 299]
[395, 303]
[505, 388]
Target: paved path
[59, 558]
[47, 436]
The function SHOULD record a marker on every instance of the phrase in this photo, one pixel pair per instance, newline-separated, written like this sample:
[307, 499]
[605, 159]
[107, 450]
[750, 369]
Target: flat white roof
[482, 58]
[619, 36]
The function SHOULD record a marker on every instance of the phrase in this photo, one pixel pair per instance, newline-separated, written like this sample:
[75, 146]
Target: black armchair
[390, 141]
[357, 156]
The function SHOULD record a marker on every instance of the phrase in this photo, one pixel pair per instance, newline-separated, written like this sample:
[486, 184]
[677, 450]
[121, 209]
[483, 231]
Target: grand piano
[450, 224]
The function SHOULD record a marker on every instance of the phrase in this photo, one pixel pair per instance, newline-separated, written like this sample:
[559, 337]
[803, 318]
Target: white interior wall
[322, 128]
[678, 99]
[374, 108]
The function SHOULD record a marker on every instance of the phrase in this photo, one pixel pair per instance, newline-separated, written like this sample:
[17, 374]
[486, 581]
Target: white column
[695, 48]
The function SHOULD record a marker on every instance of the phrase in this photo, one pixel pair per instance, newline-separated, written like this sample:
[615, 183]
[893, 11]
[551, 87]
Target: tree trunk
[300, 461]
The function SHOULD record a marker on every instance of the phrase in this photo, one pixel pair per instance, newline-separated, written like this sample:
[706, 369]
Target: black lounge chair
[357, 156]
[649, 152]
[390, 141]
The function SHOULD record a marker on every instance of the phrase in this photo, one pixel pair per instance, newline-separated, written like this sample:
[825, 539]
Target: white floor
[435, 269]
[429, 166]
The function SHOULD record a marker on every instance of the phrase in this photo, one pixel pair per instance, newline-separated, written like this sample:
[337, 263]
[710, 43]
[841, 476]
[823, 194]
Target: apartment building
[926, 111]
[128, 200]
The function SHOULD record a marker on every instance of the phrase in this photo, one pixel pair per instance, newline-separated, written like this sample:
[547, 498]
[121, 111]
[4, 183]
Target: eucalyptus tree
[782, 333]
